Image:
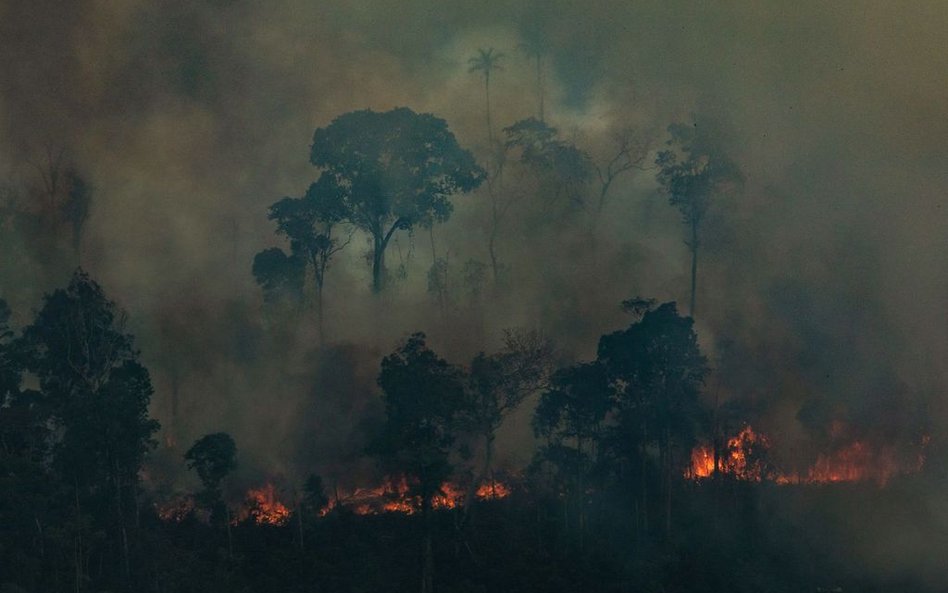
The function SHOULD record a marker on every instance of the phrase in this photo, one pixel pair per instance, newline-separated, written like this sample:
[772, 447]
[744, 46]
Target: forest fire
[176, 509]
[746, 457]
[393, 496]
[263, 507]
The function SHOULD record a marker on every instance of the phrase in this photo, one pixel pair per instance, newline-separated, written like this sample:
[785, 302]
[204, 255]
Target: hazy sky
[821, 280]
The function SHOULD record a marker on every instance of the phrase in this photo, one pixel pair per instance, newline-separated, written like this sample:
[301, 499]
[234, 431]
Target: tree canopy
[393, 170]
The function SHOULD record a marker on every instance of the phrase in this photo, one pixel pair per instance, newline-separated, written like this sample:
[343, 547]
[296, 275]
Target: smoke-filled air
[467, 297]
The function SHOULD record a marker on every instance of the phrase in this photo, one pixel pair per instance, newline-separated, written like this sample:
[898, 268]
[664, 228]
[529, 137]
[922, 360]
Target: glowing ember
[175, 510]
[262, 505]
[853, 463]
[393, 497]
[492, 490]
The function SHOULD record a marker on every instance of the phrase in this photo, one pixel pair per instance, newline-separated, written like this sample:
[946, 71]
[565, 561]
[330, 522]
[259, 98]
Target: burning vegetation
[395, 496]
[262, 506]
[747, 456]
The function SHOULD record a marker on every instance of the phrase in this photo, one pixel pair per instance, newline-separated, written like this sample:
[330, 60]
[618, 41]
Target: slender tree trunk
[492, 250]
[643, 479]
[427, 571]
[490, 128]
[78, 540]
[377, 265]
[299, 522]
[319, 312]
[488, 463]
[230, 537]
[119, 508]
[581, 496]
[667, 479]
[694, 265]
[540, 85]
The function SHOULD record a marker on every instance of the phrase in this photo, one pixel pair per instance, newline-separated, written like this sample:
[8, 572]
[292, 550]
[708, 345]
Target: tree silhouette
[76, 206]
[423, 397]
[96, 393]
[571, 417]
[487, 61]
[690, 174]
[657, 371]
[542, 150]
[212, 457]
[391, 171]
[630, 148]
[10, 372]
[281, 276]
[498, 384]
[535, 47]
[308, 223]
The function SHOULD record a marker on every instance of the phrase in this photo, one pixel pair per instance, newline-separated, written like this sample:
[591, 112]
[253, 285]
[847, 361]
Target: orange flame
[263, 507]
[745, 459]
[393, 497]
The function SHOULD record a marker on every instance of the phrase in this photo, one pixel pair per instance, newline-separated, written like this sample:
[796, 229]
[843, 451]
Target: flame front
[394, 496]
[744, 457]
[264, 508]
[746, 454]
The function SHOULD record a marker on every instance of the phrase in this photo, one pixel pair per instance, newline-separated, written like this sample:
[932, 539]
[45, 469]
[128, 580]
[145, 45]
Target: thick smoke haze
[821, 289]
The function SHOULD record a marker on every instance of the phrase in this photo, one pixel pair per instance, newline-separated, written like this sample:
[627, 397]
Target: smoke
[821, 292]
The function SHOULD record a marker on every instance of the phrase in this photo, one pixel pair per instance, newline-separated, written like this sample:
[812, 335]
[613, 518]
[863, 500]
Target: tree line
[381, 173]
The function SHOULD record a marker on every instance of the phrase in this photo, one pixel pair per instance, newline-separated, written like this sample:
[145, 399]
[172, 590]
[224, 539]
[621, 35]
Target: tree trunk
[540, 86]
[230, 537]
[694, 266]
[492, 250]
[667, 479]
[319, 312]
[643, 479]
[78, 540]
[427, 570]
[490, 129]
[377, 265]
[299, 522]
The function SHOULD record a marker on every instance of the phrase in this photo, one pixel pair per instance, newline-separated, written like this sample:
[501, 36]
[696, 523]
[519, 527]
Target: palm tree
[486, 61]
[534, 47]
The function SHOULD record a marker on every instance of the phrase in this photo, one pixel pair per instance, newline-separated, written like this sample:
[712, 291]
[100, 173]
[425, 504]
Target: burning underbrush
[747, 456]
[263, 507]
[395, 496]
[266, 505]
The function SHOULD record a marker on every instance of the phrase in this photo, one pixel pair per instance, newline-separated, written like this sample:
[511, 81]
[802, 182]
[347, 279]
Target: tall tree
[10, 371]
[76, 206]
[281, 276]
[691, 173]
[393, 170]
[630, 147]
[571, 416]
[550, 157]
[423, 395]
[308, 223]
[212, 457]
[487, 61]
[657, 370]
[97, 393]
[498, 383]
[535, 47]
